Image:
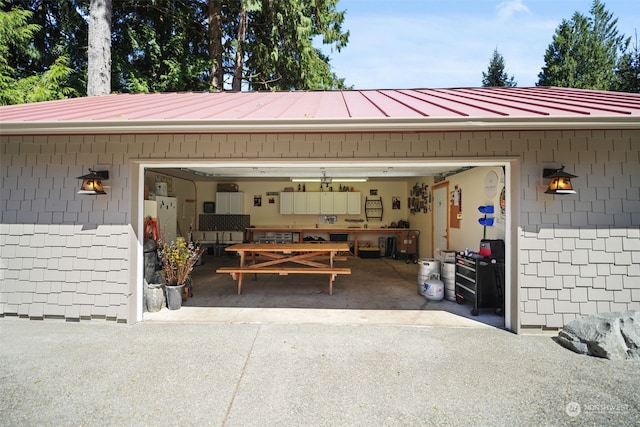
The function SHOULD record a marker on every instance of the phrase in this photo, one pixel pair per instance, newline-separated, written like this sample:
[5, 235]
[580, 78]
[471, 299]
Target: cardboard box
[446, 256]
[227, 188]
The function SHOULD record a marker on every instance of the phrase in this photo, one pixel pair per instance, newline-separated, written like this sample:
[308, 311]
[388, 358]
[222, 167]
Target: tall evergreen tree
[181, 45]
[160, 46]
[269, 45]
[628, 71]
[214, 21]
[584, 51]
[99, 50]
[224, 44]
[496, 76]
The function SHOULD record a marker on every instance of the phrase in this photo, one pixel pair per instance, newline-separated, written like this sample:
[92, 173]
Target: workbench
[307, 231]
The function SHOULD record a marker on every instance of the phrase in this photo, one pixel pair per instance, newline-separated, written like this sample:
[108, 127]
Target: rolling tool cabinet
[479, 281]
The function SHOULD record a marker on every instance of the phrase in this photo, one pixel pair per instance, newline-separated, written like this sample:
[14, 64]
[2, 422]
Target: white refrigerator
[165, 210]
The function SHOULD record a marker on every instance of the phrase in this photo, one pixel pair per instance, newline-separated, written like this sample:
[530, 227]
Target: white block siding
[577, 254]
[63, 271]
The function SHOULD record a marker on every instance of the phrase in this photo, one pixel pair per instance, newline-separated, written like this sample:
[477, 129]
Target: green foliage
[52, 84]
[628, 71]
[284, 57]
[159, 46]
[584, 52]
[18, 82]
[166, 45]
[496, 76]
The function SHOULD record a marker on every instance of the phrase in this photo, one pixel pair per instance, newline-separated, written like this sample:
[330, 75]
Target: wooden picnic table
[287, 258]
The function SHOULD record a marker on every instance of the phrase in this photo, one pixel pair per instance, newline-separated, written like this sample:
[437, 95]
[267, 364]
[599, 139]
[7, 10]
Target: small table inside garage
[287, 258]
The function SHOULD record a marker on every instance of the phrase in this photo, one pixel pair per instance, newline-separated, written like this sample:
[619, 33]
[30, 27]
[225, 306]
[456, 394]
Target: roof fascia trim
[318, 126]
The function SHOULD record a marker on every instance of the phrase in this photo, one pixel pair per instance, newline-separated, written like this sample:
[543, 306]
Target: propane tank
[434, 288]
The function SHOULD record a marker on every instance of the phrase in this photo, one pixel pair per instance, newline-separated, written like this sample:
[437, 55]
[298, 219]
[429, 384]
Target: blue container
[486, 209]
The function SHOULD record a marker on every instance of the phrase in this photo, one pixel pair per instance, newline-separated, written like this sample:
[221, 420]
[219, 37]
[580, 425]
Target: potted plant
[178, 259]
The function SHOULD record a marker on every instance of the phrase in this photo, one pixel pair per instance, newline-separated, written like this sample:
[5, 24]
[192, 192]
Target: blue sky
[448, 43]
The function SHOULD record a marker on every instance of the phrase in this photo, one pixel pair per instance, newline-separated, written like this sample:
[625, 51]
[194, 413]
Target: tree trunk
[215, 43]
[99, 64]
[237, 67]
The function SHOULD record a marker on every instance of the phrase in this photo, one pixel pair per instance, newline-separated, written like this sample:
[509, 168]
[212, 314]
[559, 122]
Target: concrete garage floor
[379, 291]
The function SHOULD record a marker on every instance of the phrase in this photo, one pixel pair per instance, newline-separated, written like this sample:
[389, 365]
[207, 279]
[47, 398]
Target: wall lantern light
[92, 182]
[559, 181]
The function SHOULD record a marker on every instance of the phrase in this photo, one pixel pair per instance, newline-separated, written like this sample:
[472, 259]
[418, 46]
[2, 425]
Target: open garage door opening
[398, 218]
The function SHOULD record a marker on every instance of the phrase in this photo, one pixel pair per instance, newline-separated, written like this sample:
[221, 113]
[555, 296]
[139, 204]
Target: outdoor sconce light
[559, 181]
[92, 182]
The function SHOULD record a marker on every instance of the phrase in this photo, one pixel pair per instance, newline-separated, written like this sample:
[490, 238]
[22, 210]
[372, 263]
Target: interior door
[440, 218]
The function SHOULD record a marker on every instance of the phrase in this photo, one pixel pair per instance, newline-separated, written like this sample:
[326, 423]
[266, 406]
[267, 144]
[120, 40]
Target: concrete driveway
[98, 373]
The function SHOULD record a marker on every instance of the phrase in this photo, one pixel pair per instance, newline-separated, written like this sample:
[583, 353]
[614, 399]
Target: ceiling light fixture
[305, 179]
[329, 180]
[350, 179]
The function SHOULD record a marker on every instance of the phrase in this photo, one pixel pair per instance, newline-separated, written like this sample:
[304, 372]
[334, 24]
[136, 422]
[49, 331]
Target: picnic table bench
[307, 258]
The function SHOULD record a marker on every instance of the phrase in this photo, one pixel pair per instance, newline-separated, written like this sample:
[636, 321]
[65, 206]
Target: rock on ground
[614, 336]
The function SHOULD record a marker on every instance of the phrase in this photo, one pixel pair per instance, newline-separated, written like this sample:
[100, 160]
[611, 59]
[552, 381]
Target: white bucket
[449, 279]
[428, 267]
[434, 289]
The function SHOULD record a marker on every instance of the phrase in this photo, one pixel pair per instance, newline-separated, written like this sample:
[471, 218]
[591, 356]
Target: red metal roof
[427, 106]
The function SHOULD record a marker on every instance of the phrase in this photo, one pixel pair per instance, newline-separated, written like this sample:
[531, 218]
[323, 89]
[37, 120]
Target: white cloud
[507, 9]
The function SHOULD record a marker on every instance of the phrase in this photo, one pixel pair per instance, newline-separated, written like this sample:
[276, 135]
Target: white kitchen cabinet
[286, 202]
[353, 203]
[229, 203]
[326, 203]
[299, 203]
[339, 203]
[313, 202]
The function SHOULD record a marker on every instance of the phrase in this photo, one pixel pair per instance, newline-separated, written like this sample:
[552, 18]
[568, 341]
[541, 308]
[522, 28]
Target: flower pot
[154, 296]
[174, 296]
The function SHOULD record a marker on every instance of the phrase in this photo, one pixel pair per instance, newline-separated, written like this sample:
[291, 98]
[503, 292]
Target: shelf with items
[276, 237]
[373, 208]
